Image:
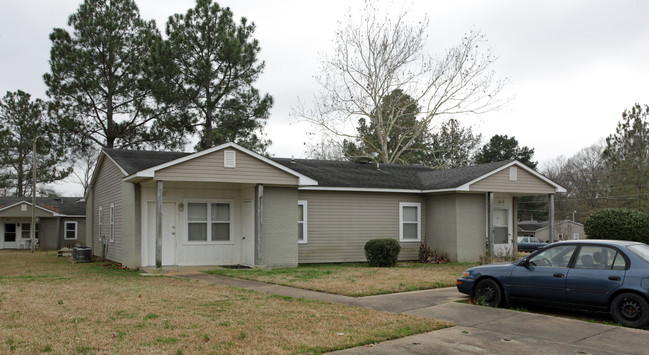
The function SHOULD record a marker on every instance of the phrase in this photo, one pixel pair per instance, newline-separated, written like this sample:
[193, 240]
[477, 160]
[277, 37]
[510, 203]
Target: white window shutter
[230, 159]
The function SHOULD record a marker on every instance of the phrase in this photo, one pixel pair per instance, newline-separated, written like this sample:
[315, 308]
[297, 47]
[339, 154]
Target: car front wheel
[488, 292]
[630, 310]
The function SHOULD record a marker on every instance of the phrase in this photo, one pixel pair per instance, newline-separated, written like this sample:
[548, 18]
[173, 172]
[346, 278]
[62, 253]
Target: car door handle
[560, 275]
[614, 278]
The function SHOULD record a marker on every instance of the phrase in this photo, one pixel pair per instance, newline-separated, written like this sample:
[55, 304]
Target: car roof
[600, 241]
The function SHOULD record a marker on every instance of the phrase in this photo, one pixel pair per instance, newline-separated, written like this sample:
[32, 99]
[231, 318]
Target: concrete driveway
[478, 330]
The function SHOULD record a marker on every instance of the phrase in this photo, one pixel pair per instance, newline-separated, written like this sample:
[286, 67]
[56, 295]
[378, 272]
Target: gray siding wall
[210, 168]
[129, 238]
[279, 231]
[525, 183]
[107, 190]
[471, 227]
[442, 224]
[340, 223]
[81, 232]
[457, 225]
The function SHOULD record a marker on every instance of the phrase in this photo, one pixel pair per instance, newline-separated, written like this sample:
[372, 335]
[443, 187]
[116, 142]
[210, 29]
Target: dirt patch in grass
[48, 304]
[357, 279]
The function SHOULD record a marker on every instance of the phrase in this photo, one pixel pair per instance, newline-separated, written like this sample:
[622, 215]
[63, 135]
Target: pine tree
[627, 158]
[100, 80]
[208, 66]
[23, 121]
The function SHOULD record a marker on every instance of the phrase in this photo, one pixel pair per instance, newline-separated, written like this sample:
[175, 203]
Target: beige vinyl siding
[210, 168]
[525, 183]
[106, 190]
[471, 226]
[130, 242]
[456, 225]
[16, 212]
[81, 232]
[279, 227]
[340, 223]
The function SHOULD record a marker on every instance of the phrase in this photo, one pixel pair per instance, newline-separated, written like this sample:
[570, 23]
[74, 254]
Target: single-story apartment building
[230, 206]
[60, 222]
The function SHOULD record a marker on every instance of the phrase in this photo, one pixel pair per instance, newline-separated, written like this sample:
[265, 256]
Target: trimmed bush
[618, 223]
[382, 252]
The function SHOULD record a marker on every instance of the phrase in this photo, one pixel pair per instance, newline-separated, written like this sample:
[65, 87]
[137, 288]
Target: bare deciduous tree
[377, 54]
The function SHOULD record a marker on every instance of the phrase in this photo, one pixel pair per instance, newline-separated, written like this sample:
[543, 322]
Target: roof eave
[303, 180]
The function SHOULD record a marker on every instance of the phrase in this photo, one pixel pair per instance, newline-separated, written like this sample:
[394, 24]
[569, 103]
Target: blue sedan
[603, 275]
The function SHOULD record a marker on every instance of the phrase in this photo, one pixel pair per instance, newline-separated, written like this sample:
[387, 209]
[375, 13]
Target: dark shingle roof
[331, 173]
[133, 161]
[387, 176]
[69, 206]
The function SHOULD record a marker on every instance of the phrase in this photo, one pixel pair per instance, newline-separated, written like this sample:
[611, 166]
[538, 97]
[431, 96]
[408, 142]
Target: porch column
[260, 225]
[490, 232]
[158, 225]
[515, 226]
[551, 217]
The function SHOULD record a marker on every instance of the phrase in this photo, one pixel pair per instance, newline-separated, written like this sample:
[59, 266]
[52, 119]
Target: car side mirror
[525, 262]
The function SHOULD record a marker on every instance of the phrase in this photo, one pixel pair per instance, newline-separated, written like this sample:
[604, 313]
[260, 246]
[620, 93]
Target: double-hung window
[100, 224]
[409, 222]
[70, 230]
[26, 230]
[302, 222]
[209, 221]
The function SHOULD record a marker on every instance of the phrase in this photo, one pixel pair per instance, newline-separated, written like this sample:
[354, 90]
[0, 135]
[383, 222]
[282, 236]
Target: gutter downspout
[260, 224]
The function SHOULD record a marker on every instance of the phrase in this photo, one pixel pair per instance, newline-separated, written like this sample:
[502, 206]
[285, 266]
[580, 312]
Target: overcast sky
[574, 66]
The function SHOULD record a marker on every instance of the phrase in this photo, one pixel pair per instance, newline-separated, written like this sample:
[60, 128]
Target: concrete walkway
[478, 330]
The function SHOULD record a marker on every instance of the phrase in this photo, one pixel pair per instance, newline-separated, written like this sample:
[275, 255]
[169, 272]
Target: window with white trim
[209, 221]
[409, 221]
[70, 230]
[27, 231]
[302, 222]
[112, 222]
[101, 222]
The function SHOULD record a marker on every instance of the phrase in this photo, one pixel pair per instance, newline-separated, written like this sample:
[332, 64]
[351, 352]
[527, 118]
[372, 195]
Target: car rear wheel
[488, 292]
[630, 310]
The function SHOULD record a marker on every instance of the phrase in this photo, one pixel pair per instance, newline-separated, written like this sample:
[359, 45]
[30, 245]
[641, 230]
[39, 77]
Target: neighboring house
[60, 222]
[563, 230]
[228, 206]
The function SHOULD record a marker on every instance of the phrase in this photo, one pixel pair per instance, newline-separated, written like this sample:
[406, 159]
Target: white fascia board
[466, 187]
[454, 189]
[357, 189]
[54, 213]
[303, 180]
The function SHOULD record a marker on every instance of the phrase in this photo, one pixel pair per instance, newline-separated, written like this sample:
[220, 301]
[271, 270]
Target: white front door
[247, 233]
[169, 240]
[502, 241]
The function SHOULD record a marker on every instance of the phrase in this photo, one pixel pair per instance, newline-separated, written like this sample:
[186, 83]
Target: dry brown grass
[358, 279]
[48, 304]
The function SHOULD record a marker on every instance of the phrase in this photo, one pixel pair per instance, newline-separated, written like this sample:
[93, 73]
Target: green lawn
[356, 280]
[50, 305]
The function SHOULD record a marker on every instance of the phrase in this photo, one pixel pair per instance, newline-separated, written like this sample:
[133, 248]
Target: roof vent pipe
[292, 158]
[377, 166]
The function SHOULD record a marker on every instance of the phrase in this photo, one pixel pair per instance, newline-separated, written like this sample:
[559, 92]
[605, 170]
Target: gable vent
[230, 159]
[513, 173]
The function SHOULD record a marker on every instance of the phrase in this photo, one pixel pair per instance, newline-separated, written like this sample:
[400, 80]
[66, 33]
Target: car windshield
[641, 250]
